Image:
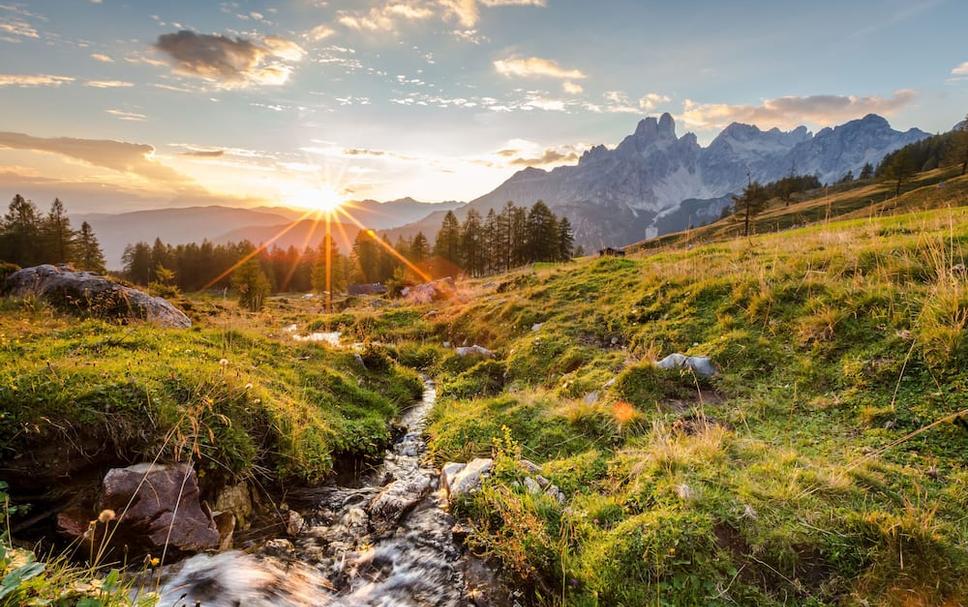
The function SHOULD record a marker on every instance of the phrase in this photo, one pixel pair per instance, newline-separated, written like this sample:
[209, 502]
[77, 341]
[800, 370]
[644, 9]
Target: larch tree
[88, 255]
[56, 234]
[447, 245]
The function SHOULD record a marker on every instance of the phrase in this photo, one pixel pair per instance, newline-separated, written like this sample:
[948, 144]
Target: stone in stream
[470, 477]
[92, 294]
[164, 508]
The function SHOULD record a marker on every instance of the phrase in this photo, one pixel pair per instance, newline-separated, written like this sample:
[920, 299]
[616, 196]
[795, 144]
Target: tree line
[29, 237]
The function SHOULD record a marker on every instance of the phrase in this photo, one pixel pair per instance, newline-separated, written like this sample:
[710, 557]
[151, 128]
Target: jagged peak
[652, 128]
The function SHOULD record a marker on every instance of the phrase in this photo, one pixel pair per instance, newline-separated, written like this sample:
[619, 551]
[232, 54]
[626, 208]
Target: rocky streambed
[387, 542]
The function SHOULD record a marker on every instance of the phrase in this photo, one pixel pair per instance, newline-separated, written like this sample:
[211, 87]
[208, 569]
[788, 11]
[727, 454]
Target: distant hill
[307, 232]
[176, 226]
[224, 224]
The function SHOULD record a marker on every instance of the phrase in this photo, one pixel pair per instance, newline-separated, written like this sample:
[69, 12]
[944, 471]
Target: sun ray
[386, 245]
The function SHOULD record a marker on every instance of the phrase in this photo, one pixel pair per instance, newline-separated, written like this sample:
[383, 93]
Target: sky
[123, 105]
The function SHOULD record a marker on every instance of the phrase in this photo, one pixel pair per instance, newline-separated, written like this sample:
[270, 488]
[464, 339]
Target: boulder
[700, 365]
[470, 477]
[236, 500]
[532, 485]
[448, 473]
[474, 350]
[164, 508]
[294, 523]
[92, 294]
[427, 292]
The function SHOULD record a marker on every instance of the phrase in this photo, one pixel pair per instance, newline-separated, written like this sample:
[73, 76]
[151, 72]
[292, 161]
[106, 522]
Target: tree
[21, 228]
[749, 203]
[252, 285]
[367, 255]
[318, 274]
[542, 230]
[419, 249]
[87, 254]
[56, 235]
[848, 177]
[137, 262]
[898, 167]
[566, 240]
[472, 244]
[447, 245]
[867, 172]
[959, 148]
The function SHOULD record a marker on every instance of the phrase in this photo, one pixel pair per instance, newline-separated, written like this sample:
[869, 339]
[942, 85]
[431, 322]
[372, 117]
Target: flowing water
[387, 543]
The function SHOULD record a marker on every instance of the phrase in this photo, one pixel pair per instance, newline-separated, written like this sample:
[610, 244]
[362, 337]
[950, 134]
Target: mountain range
[655, 182]
[230, 224]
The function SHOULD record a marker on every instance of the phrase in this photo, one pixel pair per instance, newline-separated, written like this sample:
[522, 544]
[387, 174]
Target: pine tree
[504, 237]
[898, 167]
[959, 148]
[566, 240]
[518, 237]
[56, 235]
[447, 245]
[419, 249]
[88, 255]
[471, 244]
[318, 273]
[137, 263]
[367, 256]
[252, 285]
[491, 243]
[21, 229]
[867, 172]
[542, 229]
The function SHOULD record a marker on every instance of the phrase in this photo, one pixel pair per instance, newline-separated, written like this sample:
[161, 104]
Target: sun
[323, 198]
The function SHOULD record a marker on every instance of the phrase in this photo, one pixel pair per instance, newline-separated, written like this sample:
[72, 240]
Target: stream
[386, 543]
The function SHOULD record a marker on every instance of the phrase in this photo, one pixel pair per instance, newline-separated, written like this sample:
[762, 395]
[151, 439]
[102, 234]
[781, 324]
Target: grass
[796, 476]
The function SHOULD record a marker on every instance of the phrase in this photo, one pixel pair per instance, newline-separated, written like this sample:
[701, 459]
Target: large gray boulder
[157, 504]
[92, 294]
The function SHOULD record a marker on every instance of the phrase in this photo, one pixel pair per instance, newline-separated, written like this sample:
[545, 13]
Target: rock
[279, 546]
[396, 499]
[236, 500]
[556, 493]
[609, 383]
[537, 326]
[530, 466]
[542, 481]
[92, 294]
[749, 512]
[225, 523]
[372, 288]
[74, 523]
[474, 350]
[459, 532]
[532, 486]
[152, 519]
[359, 359]
[469, 479]
[448, 473]
[427, 292]
[591, 398]
[700, 365]
[294, 523]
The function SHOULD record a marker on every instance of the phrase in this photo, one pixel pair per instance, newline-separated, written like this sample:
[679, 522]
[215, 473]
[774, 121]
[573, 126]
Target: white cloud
[960, 70]
[572, 88]
[789, 112]
[384, 18]
[128, 116]
[617, 102]
[102, 58]
[652, 100]
[526, 67]
[108, 84]
[320, 32]
[26, 80]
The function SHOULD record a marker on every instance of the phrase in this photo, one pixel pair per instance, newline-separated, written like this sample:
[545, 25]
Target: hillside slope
[822, 466]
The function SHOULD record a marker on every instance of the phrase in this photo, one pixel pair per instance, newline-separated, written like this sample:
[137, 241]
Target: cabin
[370, 288]
[610, 252]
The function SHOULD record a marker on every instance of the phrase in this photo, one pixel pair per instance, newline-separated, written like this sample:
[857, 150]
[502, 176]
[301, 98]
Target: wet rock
[236, 500]
[225, 522]
[396, 499]
[448, 473]
[73, 522]
[469, 479]
[474, 350]
[279, 546]
[154, 493]
[700, 365]
[294, 523]
[92, 294]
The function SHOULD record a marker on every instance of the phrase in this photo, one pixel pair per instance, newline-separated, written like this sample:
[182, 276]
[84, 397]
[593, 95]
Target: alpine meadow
[508, 303]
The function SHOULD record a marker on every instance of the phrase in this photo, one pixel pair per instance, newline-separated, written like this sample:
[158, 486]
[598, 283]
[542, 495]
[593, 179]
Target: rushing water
[387, 543]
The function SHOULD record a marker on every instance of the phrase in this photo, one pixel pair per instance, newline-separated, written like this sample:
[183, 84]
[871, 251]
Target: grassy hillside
[939, 188]
[824, 465]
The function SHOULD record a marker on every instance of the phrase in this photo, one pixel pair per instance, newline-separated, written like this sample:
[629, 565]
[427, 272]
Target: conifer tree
[367, 256]
[447, 245]
[750, 203]
[566, 240]
[21, 231]
[252, 285]
[57, 237]
[419, 249]
[542, 231]
[471, 244]
[137, 262]
[867, 172]
[88, 255]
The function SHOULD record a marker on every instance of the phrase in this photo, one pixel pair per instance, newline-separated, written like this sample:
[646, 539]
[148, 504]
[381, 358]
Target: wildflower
[106, 515]
[223, 363]
[248, 386]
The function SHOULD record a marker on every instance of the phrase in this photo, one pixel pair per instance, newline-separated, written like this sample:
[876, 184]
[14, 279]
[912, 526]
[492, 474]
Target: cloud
[384, 18]
[789, 112]
[652, 100]
[617, 102]
[572, 88]
[960, 70]
[127, 116]
[525, 67]
[203, 153]
[109, 84]
[131, 158]
[519, 152]
[232, 63]
[320, 32]
[25, 80]
[102, 58]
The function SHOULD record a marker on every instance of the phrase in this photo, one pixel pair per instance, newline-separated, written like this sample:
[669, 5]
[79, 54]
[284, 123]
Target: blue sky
[275, 101]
